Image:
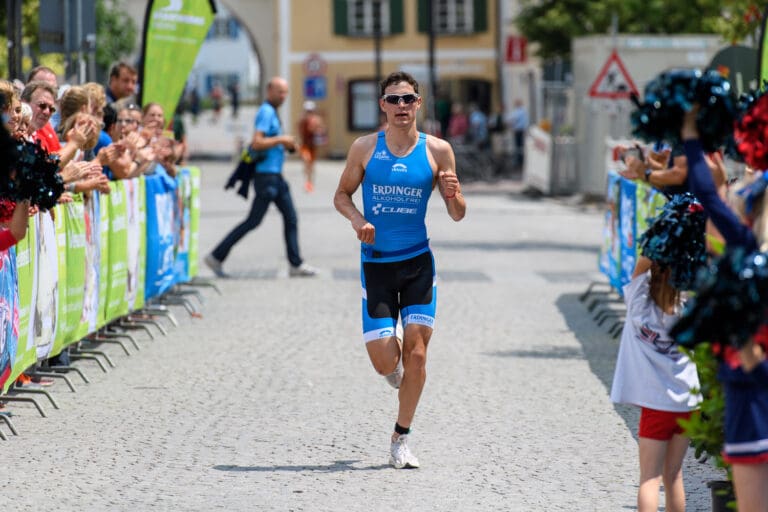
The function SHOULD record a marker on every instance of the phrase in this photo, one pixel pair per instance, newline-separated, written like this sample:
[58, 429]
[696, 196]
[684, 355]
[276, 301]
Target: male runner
[398, 168]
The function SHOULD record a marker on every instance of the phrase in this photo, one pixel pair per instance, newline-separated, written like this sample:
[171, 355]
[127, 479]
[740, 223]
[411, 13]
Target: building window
[363, 105]
[358, 17]
[362, 17]
[453, 16]
[224, 28]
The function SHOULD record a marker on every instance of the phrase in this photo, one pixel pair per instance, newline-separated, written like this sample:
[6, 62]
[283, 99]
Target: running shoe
[302, 270]
[215, 265]
[400, 456]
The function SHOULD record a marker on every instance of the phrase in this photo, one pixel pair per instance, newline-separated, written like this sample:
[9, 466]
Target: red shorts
[660, 425]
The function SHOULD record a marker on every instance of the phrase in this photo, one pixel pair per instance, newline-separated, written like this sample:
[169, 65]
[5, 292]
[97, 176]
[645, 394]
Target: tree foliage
[115, 35]
[552, 24]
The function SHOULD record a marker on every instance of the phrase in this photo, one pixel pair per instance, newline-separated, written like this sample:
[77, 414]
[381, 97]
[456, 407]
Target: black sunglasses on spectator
[44, 106]
[394, 99]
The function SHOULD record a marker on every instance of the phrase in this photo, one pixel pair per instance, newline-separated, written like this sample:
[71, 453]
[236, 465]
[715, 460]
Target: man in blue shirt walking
[270, 142]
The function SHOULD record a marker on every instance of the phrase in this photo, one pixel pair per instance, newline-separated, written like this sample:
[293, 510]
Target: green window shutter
[340, 17]
[481, 15]
[423, 16]
[396, 22]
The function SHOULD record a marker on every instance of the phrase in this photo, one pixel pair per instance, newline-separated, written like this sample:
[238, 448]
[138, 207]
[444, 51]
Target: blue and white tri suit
[397, 270]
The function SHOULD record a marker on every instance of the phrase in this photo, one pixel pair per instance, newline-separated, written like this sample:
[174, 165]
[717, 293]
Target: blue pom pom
[673, 93]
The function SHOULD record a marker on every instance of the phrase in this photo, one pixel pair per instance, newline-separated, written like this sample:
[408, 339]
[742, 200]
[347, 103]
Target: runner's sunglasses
[394, 99]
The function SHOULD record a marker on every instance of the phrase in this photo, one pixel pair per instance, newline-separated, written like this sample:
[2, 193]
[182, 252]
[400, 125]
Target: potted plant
[705, 429]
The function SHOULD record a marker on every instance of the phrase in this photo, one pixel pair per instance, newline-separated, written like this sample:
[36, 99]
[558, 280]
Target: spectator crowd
[93, 133]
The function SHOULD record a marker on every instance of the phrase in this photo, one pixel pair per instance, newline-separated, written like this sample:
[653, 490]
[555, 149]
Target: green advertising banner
[26, 267]
[117, 274]
[59, 224]
[649, 205]
[46, 307]
[101, 317]
[194, 221]
[91, 267]
[173, 33]
[73, 281]
[137, 251]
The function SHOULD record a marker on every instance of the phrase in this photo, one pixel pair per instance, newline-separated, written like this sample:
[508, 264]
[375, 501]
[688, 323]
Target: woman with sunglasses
[398, 168]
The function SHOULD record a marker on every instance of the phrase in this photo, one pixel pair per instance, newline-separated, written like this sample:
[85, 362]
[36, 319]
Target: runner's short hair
[396, 78]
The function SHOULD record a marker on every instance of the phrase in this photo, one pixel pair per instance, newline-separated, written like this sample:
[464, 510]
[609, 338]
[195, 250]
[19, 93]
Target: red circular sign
[315, 65]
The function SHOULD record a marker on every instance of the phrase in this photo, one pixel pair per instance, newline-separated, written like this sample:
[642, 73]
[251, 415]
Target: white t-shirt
[650, 370]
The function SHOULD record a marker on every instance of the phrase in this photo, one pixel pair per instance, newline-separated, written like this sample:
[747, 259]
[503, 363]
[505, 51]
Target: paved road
[268, 402]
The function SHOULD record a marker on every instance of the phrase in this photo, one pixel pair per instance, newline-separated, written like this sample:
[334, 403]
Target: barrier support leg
[126, 324]
[206, 283]
[617, 314]
[101, 353]
[161, 310]
[112, 341]
[115, 335]
[23, 390]
[180, 301]
[179, 291]
[145, 317]
[9, 398]
[54, 375]
[606, 300]
[588, 291]
[71, 369]
[7, 420]
[76, 357]
[2, 436]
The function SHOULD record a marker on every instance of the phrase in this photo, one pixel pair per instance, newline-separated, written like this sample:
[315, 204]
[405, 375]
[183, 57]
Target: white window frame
[363, 9]
[364, 105]
[447, 19]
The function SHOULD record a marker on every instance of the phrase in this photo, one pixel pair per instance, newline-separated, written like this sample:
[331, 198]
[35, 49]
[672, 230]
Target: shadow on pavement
[339, 465]
[598, 348]
[532, 245]
[551, 352]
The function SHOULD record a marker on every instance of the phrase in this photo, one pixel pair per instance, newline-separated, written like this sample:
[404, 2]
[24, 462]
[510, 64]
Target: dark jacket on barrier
[243, 174]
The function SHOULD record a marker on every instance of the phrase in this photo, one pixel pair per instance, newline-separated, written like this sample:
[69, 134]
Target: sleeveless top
[395, 194]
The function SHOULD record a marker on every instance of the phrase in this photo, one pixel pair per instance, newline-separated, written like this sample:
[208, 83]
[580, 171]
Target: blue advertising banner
[182, 211]
[610, 251]
[161, 195]
[9, 314]
[627, 233]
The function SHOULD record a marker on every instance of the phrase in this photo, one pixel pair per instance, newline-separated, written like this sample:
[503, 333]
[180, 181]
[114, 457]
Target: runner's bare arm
[447, 179]
[350, 180]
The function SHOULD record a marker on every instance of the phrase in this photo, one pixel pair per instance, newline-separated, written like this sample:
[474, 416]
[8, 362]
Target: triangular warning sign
[613, 81]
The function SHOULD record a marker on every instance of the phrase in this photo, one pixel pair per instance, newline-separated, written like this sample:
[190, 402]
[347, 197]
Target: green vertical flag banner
[173, 34]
